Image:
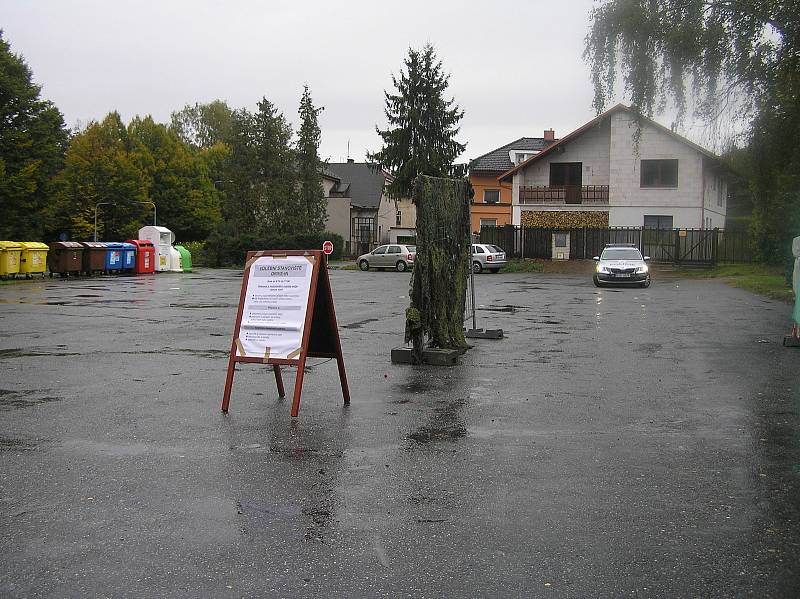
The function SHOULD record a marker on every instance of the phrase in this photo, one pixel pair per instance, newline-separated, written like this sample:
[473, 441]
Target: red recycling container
[145, 256]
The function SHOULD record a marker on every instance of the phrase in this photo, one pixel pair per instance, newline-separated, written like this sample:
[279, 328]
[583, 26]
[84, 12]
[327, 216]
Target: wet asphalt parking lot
[617, 442]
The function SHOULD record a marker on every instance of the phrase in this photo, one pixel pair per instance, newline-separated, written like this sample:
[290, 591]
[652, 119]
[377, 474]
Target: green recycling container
[186, 258]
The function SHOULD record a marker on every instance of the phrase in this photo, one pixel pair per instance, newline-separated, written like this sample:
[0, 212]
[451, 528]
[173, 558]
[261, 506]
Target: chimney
[350, 161]
[549, 135]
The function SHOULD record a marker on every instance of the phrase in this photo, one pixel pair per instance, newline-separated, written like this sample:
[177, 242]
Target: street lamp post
[154, 210]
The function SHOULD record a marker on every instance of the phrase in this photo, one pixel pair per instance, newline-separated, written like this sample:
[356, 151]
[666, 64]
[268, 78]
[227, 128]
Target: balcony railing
[566, 194]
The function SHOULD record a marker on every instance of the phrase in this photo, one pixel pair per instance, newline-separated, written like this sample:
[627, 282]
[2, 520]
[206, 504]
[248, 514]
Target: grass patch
[768, 281]
[522, 266]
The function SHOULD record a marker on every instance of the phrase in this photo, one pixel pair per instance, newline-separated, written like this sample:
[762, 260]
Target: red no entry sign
[327, 248]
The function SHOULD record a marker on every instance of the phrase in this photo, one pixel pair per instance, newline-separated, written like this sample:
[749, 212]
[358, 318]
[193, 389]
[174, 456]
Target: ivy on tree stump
[439, 281]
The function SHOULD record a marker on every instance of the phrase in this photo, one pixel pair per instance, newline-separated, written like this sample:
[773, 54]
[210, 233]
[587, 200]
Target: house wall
[715, 196]
[408, 214]
[610, 156]
[386, 218]
[338, 219]
[591, 149]
[479, 209]
[628, 200]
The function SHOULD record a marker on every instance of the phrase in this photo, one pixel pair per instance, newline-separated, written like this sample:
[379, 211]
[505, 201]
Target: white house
[597, 176]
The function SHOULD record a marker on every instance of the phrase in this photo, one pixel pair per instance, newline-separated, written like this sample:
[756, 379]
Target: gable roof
[596, 121]
[365, 183]
[499, 161]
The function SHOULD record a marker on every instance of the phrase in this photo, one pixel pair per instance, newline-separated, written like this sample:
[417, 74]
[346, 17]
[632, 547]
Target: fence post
[677, 256]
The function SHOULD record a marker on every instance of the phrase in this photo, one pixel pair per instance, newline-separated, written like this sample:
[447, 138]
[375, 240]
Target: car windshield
[412, 249]
[495, 249]
[621, 254]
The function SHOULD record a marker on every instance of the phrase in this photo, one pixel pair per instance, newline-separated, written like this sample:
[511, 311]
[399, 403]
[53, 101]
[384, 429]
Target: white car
[621, 264]
[395, 255]
[487, 256]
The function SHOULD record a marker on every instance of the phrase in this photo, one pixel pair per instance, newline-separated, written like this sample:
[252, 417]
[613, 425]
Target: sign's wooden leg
[343, 378]
[279, 381]
[226, 397]
[298, 385]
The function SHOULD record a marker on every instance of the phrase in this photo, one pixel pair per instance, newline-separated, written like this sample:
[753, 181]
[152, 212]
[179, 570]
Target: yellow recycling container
[9, 258]
[33, 260]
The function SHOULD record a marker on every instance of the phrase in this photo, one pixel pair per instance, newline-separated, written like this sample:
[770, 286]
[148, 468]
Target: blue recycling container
[128, 257]
[113, 256]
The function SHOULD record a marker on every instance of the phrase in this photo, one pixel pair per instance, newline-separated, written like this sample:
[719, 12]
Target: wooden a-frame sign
[285, 315]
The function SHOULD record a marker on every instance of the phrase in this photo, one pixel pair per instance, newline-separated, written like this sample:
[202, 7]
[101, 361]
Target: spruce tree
[420, 139]
[309, 166]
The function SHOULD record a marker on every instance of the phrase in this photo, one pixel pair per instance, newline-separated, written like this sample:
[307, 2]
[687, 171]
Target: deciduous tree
[32, 144]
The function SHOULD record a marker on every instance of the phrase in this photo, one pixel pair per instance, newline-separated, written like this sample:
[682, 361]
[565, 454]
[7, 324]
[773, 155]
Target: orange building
[491, 206]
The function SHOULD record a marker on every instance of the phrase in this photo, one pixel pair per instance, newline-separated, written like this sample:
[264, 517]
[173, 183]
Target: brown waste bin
[65, 258]
[94, 257]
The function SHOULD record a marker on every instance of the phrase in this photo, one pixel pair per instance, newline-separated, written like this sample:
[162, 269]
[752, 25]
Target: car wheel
[646, 282]
[477, 268]
[364, 265]
[401, 266]
[596, 282]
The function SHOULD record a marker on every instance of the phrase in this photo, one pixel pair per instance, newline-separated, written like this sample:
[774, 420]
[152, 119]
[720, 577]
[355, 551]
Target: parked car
[621, 264]
[397, 256]
[486, 256]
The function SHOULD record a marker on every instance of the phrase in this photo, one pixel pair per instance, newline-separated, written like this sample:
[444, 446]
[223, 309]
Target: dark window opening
[491, 196]
[657, 221]
[659, 173]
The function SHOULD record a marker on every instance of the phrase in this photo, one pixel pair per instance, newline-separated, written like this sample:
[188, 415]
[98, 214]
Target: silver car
[488, 257]
[396, 255]
[621, 263]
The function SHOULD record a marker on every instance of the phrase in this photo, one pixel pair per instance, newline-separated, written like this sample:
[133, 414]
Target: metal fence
[676, 246]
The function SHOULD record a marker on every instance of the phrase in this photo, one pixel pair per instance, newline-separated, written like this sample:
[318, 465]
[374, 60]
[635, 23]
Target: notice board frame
[320, 331]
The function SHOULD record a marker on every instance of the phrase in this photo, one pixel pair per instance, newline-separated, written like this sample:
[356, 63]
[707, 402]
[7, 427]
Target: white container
[168, 259]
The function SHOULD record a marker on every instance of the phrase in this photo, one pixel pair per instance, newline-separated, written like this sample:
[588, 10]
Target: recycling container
[145, 256]
[33, 258]
[128, 257]
[65, 258]
[186, 258]
[113, 263]
[167, 257]
[94, 257]
[9, 258]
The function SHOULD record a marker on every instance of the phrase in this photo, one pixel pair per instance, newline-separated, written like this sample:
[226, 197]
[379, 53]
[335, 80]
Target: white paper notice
[275, 306]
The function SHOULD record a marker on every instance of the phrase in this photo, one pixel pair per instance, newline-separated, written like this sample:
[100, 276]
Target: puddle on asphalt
[202, 306]
[359, 324]
[11, 399]
[35, 353]
[12, 444]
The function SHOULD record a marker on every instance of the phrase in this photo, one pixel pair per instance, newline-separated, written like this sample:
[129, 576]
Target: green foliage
[439, 279]
[203, 125]
[420, 139]
[198, 252]
[522, 266]
[763, 279]
[313, 207]
[742, 56]
[32, 144]
[99, 168]
[119, 171]
[228, 246]
[259, 191]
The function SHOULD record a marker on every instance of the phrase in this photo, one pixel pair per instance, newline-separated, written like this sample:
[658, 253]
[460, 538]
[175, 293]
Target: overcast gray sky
[516, 66]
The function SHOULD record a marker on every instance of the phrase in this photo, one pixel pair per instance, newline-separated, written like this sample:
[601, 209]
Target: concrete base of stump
[484, 333]
[431, 356]
[790, 341]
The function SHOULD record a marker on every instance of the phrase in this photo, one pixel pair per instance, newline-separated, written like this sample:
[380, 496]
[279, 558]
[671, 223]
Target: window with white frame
[488, 222]
[491, 196]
